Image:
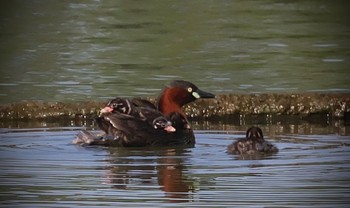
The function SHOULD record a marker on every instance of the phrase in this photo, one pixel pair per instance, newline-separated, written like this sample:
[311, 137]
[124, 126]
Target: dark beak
[204, 94]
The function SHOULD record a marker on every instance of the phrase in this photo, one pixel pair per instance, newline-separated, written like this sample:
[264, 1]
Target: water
[41, 168]
[85, 50]
[94, 50]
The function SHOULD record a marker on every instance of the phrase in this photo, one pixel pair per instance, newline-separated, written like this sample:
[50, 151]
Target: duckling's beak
[202, 94]
[106, 109]
[170, 129]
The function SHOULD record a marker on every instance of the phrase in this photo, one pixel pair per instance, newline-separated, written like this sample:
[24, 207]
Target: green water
[94, 50]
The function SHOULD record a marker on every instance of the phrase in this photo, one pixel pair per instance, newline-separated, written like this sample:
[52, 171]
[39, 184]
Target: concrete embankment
[335, 105]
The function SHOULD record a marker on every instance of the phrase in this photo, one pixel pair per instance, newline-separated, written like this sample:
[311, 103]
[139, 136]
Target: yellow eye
[189, 89]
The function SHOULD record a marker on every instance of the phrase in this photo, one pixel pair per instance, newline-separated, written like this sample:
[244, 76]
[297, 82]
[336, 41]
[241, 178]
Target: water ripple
[40, 166]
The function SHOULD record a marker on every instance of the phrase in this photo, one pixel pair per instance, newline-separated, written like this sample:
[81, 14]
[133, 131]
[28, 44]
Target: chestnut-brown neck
[172, 99]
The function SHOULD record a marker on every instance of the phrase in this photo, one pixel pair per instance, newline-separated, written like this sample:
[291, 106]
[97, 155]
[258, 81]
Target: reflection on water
[41, 168]
[98, 49]
[163, 167]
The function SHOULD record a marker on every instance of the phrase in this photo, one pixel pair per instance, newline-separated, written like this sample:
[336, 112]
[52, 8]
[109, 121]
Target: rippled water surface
[41, 168]
[85, 50]
[94, 50]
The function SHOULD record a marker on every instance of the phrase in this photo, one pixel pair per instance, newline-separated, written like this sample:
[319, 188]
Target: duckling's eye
[189, 89]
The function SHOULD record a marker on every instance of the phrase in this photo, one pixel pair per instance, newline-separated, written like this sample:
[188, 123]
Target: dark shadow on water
[135, 168]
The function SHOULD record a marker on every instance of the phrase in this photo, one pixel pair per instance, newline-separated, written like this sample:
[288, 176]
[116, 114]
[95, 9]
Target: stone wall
[331, 104]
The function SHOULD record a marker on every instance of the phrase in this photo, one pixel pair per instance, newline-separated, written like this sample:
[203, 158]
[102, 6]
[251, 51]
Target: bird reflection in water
[164, 168]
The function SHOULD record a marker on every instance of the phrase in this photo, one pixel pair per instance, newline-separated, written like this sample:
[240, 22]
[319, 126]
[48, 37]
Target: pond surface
[41, 168]
[85, 50]
[95, 50]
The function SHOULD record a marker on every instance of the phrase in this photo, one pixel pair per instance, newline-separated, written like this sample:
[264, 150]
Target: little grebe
[139, 123]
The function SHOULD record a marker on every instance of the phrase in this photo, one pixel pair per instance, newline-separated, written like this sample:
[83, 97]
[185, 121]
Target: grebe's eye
[114, 105]
[189, 89]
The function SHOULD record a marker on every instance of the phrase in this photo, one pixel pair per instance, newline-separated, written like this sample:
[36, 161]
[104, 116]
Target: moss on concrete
[304, 104]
